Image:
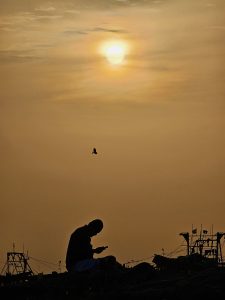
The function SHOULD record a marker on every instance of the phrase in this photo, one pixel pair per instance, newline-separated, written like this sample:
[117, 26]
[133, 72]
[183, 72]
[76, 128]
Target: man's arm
[99, 249]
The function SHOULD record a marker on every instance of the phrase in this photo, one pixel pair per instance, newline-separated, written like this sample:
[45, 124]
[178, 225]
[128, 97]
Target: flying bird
[94, 151]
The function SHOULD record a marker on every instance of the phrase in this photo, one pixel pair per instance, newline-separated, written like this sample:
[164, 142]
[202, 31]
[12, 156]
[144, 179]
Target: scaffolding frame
[17, 264]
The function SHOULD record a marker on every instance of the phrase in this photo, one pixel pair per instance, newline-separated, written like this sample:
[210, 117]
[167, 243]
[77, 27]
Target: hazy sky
[157, 121]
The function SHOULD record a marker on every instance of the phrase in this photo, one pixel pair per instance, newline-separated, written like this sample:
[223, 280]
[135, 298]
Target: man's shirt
[79, 247]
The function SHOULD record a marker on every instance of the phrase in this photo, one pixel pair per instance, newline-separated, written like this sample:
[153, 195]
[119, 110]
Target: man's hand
[100, 249]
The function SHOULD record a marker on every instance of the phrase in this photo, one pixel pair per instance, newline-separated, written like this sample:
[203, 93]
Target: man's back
[79, 247]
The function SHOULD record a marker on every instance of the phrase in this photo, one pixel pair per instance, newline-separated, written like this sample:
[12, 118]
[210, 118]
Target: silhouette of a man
[80, 253]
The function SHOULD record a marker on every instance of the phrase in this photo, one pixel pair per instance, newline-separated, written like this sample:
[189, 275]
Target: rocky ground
[140, 282]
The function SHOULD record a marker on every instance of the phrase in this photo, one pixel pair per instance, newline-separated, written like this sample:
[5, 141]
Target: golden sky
[157, 121]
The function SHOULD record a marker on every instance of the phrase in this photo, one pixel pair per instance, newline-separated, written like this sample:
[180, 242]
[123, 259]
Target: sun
[114, 51]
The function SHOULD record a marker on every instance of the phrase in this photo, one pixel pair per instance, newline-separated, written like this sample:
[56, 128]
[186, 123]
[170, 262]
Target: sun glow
[114, 51]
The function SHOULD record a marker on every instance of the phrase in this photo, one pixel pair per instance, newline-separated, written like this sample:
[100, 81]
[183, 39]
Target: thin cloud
[26, 18]
[48, 18]
[219, 27]
[73, 32]
[17, 56]
[72, 11]
[46, 9]
[96, 29]
[109, 30]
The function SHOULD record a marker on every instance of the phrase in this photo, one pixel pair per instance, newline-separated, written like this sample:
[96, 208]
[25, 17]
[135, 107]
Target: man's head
[95, 227]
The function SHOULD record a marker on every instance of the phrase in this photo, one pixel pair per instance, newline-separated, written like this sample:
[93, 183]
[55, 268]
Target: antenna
[59, 266]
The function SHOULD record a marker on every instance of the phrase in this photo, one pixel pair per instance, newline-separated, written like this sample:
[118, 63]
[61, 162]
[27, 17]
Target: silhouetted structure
[204, 243]
[17, 264]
